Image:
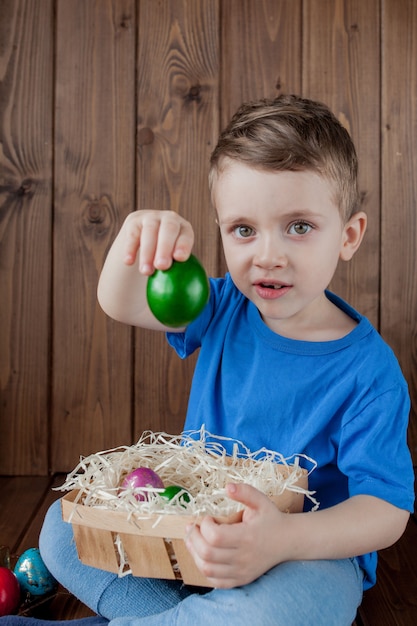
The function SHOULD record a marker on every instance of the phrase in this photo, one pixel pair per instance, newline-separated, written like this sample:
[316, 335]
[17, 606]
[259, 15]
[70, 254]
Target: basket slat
[190, 574]
[147, 556]
[96, 547]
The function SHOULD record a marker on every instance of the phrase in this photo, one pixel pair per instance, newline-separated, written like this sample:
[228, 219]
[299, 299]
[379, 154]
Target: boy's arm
[148, 240]
[236, 554]
[356, 526]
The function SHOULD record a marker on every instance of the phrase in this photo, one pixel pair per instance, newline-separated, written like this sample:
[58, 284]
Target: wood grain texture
[26, 80]
[148, 557]
[261, 51]
[177, 129]
[337, 36]
[399, 195]
[94, 191]
[24, 501]
[19, 497]
[110, 105]
[178, 112]
[260, 54]
[393, 601]
[30, 537]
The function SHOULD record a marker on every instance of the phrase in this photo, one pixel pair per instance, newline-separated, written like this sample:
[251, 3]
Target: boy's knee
[55, 539]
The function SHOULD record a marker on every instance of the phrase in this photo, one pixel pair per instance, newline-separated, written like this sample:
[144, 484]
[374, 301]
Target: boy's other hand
[231, 555]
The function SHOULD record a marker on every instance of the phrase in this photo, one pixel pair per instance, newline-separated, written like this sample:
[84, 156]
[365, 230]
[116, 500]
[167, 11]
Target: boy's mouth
[270, 290]
[270, 286]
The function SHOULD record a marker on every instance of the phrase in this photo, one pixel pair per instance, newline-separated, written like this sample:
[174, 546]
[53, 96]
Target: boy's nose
[270, 254]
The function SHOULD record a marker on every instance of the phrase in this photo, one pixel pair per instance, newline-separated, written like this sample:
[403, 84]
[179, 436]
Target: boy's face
[282, 235]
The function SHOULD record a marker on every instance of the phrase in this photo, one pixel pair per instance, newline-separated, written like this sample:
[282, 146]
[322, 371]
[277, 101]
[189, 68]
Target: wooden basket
[153, 544]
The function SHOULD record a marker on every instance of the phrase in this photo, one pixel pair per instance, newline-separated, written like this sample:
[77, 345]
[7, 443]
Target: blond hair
[292, 133]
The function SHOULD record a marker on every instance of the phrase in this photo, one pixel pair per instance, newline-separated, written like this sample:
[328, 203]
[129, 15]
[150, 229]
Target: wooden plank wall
[109, 105]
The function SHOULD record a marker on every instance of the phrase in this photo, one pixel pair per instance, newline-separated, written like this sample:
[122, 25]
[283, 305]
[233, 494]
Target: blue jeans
[323, 593]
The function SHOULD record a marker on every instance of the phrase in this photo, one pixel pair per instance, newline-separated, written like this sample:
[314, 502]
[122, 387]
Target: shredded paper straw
[197, 461]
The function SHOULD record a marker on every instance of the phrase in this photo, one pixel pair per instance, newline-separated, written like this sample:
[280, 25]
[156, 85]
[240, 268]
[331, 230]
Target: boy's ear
[353, 233]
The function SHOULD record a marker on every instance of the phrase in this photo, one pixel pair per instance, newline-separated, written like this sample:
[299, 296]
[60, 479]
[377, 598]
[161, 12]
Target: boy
[283, 364]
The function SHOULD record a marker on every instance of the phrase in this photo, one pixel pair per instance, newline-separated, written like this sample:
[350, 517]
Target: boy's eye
[300, 228]
[243, 231]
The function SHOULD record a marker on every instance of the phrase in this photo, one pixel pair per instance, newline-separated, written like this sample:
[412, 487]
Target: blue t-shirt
[344, 403]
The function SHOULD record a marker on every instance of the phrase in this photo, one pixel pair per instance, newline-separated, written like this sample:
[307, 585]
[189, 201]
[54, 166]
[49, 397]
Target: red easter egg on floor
[9, 592]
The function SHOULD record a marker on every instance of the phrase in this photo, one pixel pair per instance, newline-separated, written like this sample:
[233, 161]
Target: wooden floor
[24, 501]
[23, 504]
